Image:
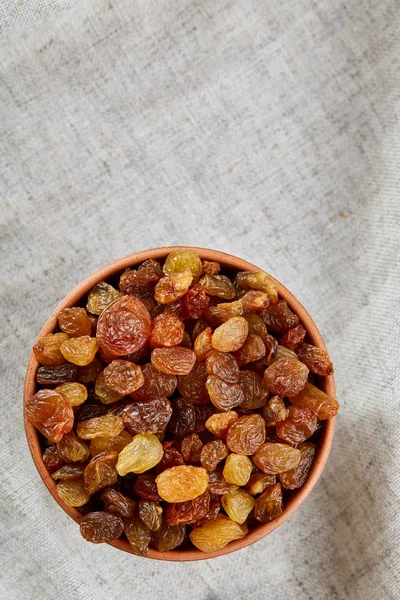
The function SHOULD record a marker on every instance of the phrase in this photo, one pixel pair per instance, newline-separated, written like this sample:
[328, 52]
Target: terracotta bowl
[294, 499]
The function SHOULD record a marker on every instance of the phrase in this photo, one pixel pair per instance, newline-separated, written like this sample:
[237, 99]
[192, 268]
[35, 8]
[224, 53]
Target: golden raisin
[79, 350]
[173, 361]
[238, 505]
[104, 444]
[123, 377]
[202, 344]
[72, 449]
[216, 534]
[276, 458]
[230, 336]
[182, 483]
[218, 285]
[74, 321]
[172, 287]
[316, 400]
[219, 423]
[246, 434]
[47, 349]
[101, 296]
[143, 453]
[300, 424]
[258, 280]
[76, 393]
[316, 359]
[73, 492]
[167, 331]
[237, 469]
[106, 426]
[183, 260]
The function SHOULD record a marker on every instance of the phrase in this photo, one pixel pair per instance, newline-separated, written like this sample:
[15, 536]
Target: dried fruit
[176, 308]
[256, 325]
[123, 377]
[141, 283]
[147, 417]
[100, 472]
[76, 393]
[156, 384]
[142, 454]
[274, 411]
[167, 331]
[246, 434]
[73, 493]
[184, 513]
[168, 537]
[220, 313]
[268, 506]
[57, 375]
[118, 504]
[254, 301]
[173, 361]
[316, 400]
[217, 484]
[182, 483]
[138, 536]
[191, 447]
[69, 473]
[293, 337]
[210, 267]
[89, 373]
[172, 287]
[103, 392]
[216, 534]
[89, 410]
[230, 336]
[219, 423]
[100, 297]
[255, 392]
[195, 302]
[286, 377]
[223, 365]
[258, 482]
[146, 487]
[282, 352]
[150, 513]
[100, 526]
[183, 260]
[79, 350]
[279, 318]
[171, 458]
[106, 426]
[224, 396]
[237, 469]
[51, 413]
[300, 424]
[47, 349]
[72, 449]
[253, 349]
[203, 412]
[116, 443]
[193, 385]
[212, 453]
[295, 478]
[316, 359]
[52, 459]
[258, 280]
[276, 458]
[202, 344]
[218, 285]
[238, 505]
[74, 321]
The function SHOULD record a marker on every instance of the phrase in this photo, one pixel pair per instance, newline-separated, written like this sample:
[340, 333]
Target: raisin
[167, 331]
[138, 536]
[195, 302]
[122, 377]
[268, 506]
[143, 453]
[150, 513]
[73, 493]
[124, 326]
[168, 537]
[155, 384]
[107, 426]
[171, 458]
[113, 444]
[299, 425]
[253, 349]
[246, 434]
[238, 505]
[79, 350]
[89, 410]
[210, 267]
[286, 377]
[186, 340]
[100, 526]
[51, 413]
[255, 393]
[140, 283]
[258, 280]
[69, 473]
[217, 484]
[184, 513]
[172, 287]
[72, 449]
[316, 400]
[182, 260]
[52, 459]
[176, 308]
[216, 534]
[57, 375]
[100, 472]
[183, 419]
[118, 504]
[219, 423]
[274, 411]
[316, 359]
[182, 483]
[279, 318]
[74, 321]
[173, 361]
[202, 344]
[276, 458]
[193, 385]
[283, 352]
[89, 373]
[146, 487]
[147, 417]
[256, 325]
[254, 301]
[100, 297]
[212, 453]
[218, 285]
[271, 347]
[47, 349]
[213, 511]
[258, 482]
[191, 448]
[76, 393]
[223, 312]
[223, 365]
[224, 396]
[230, 336]
[203, 412]
[198, 328]
[237, 469]
[295, 478]
[294, 337]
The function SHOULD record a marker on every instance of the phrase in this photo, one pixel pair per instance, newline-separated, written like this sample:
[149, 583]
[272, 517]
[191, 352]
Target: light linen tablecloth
[269, 130]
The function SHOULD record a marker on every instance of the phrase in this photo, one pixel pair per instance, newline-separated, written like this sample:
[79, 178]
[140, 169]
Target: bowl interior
[228, 262]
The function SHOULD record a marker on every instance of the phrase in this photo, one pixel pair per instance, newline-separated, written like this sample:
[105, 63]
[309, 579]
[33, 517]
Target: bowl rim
[327, 384]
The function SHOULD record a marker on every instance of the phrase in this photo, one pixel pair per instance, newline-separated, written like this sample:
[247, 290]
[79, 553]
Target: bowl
[229, 262]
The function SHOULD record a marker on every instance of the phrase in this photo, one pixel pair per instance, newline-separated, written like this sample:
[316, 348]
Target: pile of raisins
[181, 407]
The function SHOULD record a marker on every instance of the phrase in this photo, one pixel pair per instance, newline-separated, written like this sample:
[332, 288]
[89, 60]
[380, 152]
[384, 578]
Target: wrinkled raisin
[155, 384]
[89, 373]
[182, 483]
[138, 536]
[237, 469]
[183, 419]
[146, 487]
[57, 375]
[173, 361]
[100, 297]
[217, 484]
[230, 336]
[203, 412]
[224, 396]
[220, 313]
[223, 365]
[51, 413]
[47, 349]
[274, 411]
[276, 458]
[118, 504]
[183, 260]
[316, 359]
[150, 513]
[255, 392]
[151, 416]
[167, 331]
[279, 318]
[100, 526]
[193, 385]
[69, 473]
[246, 434]
[171, 458]
[286, 377]
[52, 459]
[74, 321]
[123, 377]
[76, 393]
[258, 280]
[219, 423]
[300, 424]
[191, 448]
[254, 301]
[172, 287]
[73, 492]
[295, 478]
[140, 283]
[210, 267]
[258, 482]
[218, 285]
[143, 453]
[79, 350]
[103, 392]
[107, 426]
[168, 537]
[268, 506]
[72, 449]
[183, 513]
[103, 444]
[316, 400]
[238, 505]
[216, 534]
[212, 453]
[293, 337]
[100, 472]
[195, 302]
[202, 344]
